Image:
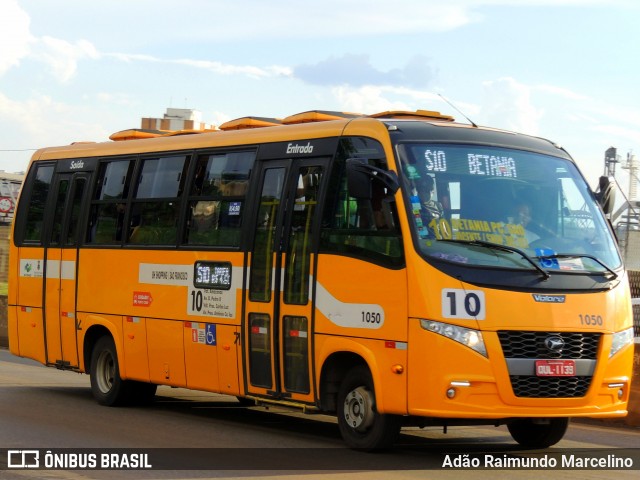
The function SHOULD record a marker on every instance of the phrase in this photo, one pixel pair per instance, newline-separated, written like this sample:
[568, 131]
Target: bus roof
[256, 130]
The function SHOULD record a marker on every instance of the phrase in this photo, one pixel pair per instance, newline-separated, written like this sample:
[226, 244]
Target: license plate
[555, 368]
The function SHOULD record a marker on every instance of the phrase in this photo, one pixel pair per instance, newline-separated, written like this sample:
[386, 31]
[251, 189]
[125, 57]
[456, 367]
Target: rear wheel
[106, 385]
[538, 433]
[361, 426]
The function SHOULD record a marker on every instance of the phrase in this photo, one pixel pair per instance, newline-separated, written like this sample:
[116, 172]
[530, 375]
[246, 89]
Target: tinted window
[366, 228]
[40, 184]
[155, 209]
[114, 179]
[107, 218]
[161, 177]
[217, 198]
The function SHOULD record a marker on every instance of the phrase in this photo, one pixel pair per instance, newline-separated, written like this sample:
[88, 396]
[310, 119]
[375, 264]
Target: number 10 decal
[458, 303]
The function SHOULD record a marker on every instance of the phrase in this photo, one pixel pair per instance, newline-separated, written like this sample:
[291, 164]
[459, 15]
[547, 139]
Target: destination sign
[213, 275]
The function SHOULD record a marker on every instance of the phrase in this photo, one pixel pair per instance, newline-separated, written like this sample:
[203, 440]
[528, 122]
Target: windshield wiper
[581, 255]
[504, 248]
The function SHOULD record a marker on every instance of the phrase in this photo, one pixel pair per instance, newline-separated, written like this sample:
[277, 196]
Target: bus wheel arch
[347, 389]
[103, 366]
[91, 337]
[334, 369]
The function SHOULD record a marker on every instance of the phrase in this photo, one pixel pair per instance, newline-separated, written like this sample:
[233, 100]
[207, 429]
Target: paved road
[42, 408]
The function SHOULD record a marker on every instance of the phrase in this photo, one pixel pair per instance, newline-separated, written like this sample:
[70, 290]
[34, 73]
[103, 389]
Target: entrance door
[62, 260]
[279, 320]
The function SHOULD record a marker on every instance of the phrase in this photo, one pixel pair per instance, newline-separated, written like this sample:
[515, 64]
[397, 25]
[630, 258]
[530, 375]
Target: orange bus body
[314, 304]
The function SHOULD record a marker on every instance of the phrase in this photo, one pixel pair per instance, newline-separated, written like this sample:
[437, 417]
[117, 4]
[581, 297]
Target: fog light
[451, 393]
[620, 394]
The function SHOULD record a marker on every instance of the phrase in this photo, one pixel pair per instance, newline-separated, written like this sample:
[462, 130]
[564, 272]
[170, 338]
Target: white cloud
[17, 43]
[561, 92]
[62, 57]
[46, 120]
[355, 18]
[507, 104]
[619, 133]
[15, 38]
[218, 118]
[336, 18]
[227, 69]
[373, 99]
[212, 66]
[366, 100]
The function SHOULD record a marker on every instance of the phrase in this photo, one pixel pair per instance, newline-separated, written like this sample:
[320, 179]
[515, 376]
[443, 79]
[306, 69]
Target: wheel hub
[106, 372]
[358, 409]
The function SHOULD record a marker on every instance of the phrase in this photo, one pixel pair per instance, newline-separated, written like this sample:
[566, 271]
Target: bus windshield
[497, 207]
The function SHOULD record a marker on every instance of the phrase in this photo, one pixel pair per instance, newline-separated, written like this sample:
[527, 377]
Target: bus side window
[216, 199]
[155, 207]
[366, 227]
[39, 184]
[108, 208]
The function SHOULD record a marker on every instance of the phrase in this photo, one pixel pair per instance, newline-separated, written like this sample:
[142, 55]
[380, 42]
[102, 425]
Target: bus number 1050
[371, 317]
[590, 320]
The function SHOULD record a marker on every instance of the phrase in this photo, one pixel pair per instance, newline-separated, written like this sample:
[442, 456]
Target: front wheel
[361, 426]
[538, 433]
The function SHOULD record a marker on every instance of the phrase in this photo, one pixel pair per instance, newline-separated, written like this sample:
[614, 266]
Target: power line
[18, 150]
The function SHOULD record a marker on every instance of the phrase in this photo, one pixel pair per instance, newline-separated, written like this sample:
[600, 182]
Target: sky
[78, 70]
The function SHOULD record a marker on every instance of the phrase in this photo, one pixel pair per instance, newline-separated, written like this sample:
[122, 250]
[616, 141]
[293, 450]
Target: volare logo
[75, 164]
[296, 148]
[549, 298]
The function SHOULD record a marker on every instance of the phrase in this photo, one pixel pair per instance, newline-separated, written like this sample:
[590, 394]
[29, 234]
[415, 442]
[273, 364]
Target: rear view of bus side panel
[27, 267]
[26, 315]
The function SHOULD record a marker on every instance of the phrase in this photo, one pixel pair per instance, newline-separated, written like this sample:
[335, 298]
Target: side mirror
[360, 175]
[606, 194]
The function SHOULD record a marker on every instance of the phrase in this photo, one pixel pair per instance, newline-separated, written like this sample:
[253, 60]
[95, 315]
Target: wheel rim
[105, 373]
[358, 409]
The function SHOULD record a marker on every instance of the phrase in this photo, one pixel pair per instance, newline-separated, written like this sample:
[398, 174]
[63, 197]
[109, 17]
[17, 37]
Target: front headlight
[465, 336]
[621, 340]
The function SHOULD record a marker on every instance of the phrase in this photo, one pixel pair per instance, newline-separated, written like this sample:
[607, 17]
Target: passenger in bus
[377, 207]
[432, 206]
[120, 211]
[135, 222]
[204, 215]
[426, 208]
[522, 216]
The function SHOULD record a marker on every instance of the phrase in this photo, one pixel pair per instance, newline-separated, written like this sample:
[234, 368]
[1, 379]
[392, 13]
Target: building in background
[177, 119]
[10, 184]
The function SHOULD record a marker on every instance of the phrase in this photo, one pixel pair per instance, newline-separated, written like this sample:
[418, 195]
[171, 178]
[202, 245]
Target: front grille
[549, 387]
[532, 345]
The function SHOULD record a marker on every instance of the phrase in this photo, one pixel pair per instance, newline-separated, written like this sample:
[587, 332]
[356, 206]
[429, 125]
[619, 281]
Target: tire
[531, 434]
[106, 385]
[361, 426]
